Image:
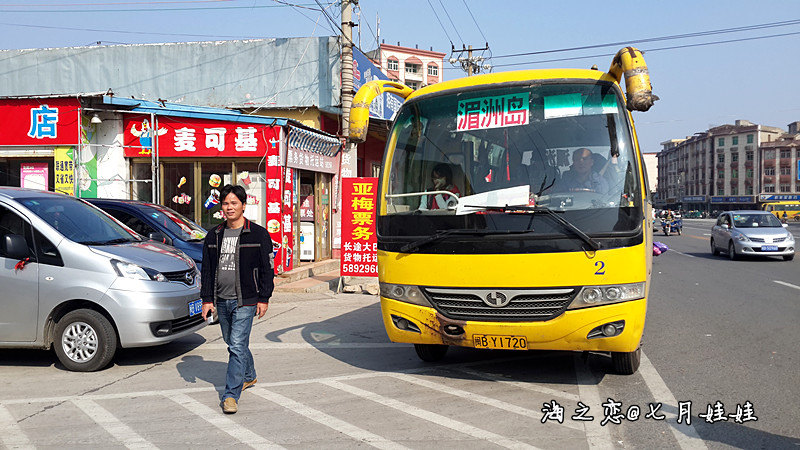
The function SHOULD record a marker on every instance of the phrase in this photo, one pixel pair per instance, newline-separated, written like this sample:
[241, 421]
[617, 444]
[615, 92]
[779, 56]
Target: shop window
[141, 189]
[252, 177]
[213, 175]
[178, 187]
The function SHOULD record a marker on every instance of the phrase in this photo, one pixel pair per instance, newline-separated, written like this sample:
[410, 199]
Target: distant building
[780, 159]
[651, 166]
[411, 66]
[719, 168]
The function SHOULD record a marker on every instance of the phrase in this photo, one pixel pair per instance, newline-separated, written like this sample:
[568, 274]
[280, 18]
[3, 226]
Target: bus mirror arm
[639, 92]
[359, 111]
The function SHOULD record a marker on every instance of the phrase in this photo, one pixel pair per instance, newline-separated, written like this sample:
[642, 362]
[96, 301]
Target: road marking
[687, 436]
[329, 421]
[215, 417]
[519, 384]
[786, 284]
[112, 425]
[430, 416]
[11, 435]
[597, 436]
[681, 253]
[309, 345]
[499, 404]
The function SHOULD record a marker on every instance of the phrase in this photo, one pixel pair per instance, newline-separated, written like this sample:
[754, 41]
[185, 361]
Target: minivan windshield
[459, 158]
[78, 221]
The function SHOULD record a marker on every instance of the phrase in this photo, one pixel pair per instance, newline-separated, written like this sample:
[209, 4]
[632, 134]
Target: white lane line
[123, 433]
[597, 436]
[432, 417]
[11, 435]
[519, 384]
[196, 390]
[499, 404]
[216, 418]
[359, 434]
[786, 284]
[310, 345]
[686, 436]
[681, 253]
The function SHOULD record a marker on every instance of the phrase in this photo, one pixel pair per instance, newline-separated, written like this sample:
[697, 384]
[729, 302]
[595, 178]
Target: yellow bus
[790, 208]
[513, 212]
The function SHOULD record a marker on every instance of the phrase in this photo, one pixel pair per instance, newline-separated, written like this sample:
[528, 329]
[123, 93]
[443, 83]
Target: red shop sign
[39, 121]
[359, 213]
[189, 137]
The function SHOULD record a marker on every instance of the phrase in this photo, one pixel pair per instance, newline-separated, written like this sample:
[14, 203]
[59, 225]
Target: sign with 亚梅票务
[359, 214]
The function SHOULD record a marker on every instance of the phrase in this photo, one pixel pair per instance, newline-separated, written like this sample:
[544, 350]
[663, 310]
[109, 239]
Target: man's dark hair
[237, 190]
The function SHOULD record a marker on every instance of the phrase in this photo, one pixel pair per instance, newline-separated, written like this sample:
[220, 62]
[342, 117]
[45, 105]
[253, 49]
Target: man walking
[236, 280]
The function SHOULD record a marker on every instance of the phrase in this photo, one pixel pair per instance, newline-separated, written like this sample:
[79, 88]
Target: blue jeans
[236, 322]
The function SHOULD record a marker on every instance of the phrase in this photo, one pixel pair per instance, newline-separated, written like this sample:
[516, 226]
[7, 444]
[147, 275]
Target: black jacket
[253, 265]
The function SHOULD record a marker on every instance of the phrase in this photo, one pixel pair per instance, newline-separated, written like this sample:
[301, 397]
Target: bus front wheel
[626, 363]
[430, 352]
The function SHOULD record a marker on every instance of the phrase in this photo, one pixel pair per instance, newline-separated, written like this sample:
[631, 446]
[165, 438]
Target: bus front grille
[500, 304]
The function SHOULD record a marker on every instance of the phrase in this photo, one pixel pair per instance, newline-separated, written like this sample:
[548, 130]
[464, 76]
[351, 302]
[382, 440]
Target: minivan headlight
[604, 295]
[404, 293]
[134, 272]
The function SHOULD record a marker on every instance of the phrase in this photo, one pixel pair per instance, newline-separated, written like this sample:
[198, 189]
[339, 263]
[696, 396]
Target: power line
[440, 23]
[701, 44]
[451, 21]
[13, 5]
[98, 30]
[660, 38]
[198, 8]
[476, 22]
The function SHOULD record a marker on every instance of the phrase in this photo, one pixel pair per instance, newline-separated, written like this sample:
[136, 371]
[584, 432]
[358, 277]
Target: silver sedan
[741, 233]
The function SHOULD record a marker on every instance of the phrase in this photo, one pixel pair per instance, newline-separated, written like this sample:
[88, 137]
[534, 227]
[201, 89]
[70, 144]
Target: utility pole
[349, 158]
[471, 64]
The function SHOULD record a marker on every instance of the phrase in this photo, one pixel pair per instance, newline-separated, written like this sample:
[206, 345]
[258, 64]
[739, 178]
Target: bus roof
[519, 75]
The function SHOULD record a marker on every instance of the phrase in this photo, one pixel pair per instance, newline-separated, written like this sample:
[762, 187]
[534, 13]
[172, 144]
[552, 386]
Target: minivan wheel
[732, 252]
[430, 352]
[626, 363]
[714, 250]
[85, 341]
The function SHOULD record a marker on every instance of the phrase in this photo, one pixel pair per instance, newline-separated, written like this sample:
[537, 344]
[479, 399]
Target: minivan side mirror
[785, 225]
[726, 226]
[16, 247]
[159, 237]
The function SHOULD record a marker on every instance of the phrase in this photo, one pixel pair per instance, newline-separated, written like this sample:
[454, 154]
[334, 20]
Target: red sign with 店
[359, 214]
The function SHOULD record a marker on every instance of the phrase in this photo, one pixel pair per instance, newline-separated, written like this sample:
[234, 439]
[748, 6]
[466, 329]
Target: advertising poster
[64, 170]
[87, 170]
[33, 176]
[359, 214]
[279, 214]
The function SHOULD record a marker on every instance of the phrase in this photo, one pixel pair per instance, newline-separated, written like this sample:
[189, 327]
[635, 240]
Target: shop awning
[309, 141]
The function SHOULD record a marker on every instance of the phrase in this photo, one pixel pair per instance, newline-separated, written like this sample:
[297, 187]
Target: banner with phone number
[359, 214]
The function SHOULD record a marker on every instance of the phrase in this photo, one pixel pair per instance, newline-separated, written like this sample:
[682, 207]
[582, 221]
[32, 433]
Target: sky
[753, 77]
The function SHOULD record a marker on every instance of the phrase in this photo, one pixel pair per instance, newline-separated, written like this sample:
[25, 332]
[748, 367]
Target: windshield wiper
[554, 214]
[119, 241]
[411, 246]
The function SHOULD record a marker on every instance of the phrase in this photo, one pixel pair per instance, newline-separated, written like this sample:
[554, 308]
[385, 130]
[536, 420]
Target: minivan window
[131, 222]
[11, 223]
[78, 221]
[176, 223]
[756, 221]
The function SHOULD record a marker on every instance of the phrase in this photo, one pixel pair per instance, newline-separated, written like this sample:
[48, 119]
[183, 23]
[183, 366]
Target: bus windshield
[566, 147]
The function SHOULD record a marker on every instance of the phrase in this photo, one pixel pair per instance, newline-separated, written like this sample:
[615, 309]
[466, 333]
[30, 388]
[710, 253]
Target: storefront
[39, 138]
[180, 157]
[731, 203]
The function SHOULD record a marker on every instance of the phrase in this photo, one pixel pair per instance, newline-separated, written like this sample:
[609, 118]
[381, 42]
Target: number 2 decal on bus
[602, 269]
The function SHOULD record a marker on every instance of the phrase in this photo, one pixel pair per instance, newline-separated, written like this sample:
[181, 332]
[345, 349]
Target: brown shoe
[229, 406]
[248, 384]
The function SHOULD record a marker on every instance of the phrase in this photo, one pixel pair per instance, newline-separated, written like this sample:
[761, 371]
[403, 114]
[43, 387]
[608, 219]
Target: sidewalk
[322, 276]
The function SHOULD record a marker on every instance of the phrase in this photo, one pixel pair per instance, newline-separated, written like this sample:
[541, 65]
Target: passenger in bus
[582, 175]
[442, 180]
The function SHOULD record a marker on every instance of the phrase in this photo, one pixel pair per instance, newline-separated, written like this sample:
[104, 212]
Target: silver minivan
[753, 233]
[73, 277]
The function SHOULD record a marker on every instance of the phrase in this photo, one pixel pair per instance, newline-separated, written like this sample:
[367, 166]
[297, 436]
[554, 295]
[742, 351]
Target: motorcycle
[675, 225]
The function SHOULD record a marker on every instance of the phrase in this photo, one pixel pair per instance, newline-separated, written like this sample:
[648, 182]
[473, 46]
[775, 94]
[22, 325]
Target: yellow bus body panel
[565, 332]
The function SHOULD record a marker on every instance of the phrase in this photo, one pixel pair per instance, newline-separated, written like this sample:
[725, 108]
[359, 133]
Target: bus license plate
[500, 342]
[195, 307]
[769, 248]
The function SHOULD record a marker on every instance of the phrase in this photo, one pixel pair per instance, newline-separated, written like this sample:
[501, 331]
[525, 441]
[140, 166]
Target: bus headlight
[404, 293]
[604, 295]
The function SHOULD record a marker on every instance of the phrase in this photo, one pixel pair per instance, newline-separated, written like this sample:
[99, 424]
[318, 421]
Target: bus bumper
[566, 332]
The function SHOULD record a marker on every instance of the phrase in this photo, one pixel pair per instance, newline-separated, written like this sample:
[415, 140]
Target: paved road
[329, 378]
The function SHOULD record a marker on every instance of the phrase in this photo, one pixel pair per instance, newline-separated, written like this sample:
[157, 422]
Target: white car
[740, 233]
